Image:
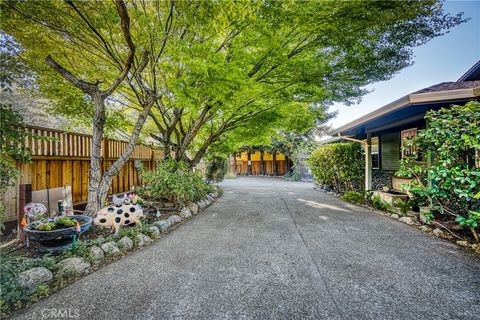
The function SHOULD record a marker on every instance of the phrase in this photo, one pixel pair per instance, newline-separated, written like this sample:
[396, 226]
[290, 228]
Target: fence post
[24, 197]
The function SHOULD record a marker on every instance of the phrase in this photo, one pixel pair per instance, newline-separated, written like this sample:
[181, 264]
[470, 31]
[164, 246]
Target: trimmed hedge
[340, 165]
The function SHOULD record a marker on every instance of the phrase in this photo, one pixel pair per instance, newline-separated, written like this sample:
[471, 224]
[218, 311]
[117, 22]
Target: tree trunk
[274, 163]
[235, 172]
[100, 184]
[95, 172]
[249, 163]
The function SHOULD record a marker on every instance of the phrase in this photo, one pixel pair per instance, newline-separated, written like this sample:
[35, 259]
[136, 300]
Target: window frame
[377, 153]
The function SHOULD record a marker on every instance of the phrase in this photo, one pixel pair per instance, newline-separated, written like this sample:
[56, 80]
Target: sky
[445, 58]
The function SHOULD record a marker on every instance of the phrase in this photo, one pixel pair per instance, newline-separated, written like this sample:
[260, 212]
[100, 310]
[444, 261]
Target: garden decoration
[124, 211]
[56, 233]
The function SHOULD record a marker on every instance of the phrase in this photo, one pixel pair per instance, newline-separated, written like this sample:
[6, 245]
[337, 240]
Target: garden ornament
[119, 214]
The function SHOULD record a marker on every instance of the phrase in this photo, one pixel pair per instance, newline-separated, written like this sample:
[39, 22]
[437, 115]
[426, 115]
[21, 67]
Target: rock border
[103, 252]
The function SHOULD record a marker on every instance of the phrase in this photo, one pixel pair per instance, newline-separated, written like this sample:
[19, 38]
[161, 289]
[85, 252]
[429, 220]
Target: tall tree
[91, 47]
[285, 54]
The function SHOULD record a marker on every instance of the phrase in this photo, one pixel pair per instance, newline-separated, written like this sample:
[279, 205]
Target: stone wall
[381, 178]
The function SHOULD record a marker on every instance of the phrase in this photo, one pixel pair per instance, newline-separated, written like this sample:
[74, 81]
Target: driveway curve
[270, 249]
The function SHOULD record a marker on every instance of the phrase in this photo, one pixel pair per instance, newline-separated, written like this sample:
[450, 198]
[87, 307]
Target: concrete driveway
[270, 249]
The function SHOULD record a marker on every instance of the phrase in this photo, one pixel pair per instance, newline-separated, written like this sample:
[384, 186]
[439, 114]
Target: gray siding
[390, 151]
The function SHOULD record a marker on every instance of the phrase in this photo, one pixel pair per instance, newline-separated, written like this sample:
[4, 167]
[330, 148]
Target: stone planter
[59, 239]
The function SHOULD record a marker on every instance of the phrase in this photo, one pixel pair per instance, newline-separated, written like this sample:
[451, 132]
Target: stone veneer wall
[381, 178]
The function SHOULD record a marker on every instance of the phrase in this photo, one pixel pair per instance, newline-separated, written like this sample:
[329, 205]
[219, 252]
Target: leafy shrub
[217, 169]
[353, 197]
[379, 204]
[13, 296]
[341, 165]
[174, 182]
[451, 184]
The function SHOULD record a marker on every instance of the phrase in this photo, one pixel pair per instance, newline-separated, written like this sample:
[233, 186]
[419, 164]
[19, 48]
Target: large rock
[214, 194]
[125, 244]
[463, 243]
[174, 219]
[438, 233]
[142, 239]
[425, 228]
[31, 278]
[193, 207]
[202, 204]
[154, 232]
[73, 266]
[110, 248]
[395, 216]
[407, 220]
[163, 225]
[185, 213]
[96, 254]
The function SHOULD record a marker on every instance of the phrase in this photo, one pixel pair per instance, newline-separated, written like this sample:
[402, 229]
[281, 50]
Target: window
[375, 153]
[406, 135]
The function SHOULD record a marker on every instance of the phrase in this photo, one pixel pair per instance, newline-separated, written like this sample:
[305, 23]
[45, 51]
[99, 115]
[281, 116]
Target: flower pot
[58, 237]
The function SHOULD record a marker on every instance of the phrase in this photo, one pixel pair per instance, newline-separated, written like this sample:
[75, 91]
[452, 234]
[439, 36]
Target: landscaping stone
[215, 194]
[110, 248]
[463, 243]
[163, 225]
[193, 207]
[97, 254]
[201, 204]
[100, 240]
[73, 266]
[125, 244]
[395, 216]
[425, 228]
[185, 213]
[154, 232]
[174, 219]
[438, 233]
[407, 220]
[31, 278]
[142, 239]
[476, 247]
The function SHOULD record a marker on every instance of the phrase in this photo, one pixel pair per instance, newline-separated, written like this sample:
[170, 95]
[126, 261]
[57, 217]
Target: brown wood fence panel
[63, 158]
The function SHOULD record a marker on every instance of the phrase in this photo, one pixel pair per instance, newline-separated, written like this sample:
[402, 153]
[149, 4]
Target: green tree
[278, 57]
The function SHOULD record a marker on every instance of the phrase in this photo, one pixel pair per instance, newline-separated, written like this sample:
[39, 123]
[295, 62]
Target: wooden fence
[63, 158]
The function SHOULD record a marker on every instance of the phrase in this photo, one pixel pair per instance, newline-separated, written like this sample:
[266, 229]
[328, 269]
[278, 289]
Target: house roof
[472, 74]
[445, 86]
[442, 92]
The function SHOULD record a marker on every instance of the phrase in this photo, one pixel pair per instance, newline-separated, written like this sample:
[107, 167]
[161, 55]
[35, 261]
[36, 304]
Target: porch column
[368, 162]
[249, 163]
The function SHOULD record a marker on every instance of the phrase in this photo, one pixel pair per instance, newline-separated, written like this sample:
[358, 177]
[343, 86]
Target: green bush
[12, 295]
[174, 182]
[217, 169]
[340, 165]
[451, 183]
[354, 197]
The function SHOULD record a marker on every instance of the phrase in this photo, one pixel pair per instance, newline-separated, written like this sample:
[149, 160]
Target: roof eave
[417, 98]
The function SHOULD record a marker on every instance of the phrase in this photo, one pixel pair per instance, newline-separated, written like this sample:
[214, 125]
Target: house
[383, 130]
